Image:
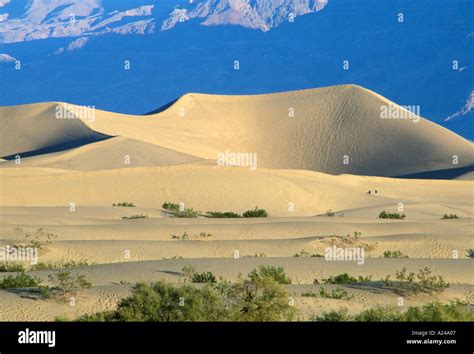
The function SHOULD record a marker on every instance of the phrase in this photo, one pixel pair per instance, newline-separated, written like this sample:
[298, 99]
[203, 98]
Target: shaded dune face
[335, 130]
[37, 129]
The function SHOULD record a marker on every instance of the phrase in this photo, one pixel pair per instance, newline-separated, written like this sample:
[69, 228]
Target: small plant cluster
[424, 282]
[329, 213]
[204, 277]
[136, 216]
[304, 253]
[338, 294]
[386, 215]
[343, 278]
[394, 254]
[59, 265]
[39, 239]
[124, 204]
[178, 212]
[450, 216]
[257, 298]
[11, 267]
[185, 236]
[65, 284]
[218, 214]
[432, 312]
[20, 280]
[255, 213]
[275, 273]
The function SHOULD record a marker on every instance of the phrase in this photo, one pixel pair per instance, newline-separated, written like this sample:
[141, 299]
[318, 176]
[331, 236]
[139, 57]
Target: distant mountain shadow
[61, 147]
[449, 173]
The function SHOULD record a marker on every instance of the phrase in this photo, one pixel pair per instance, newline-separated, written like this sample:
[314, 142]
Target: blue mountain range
[136, 56]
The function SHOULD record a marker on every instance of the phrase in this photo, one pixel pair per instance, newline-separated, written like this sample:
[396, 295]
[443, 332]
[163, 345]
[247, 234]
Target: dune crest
[339, 129]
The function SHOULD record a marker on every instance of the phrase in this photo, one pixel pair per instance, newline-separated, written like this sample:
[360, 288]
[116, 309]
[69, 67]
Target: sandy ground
[73, 170]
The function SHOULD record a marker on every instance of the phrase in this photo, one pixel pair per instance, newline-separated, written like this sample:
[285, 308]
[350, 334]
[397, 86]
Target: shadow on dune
[96, 137]
[440, 174]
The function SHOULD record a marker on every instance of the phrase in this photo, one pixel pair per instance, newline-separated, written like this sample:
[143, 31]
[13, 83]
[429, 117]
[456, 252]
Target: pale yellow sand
[173, 156]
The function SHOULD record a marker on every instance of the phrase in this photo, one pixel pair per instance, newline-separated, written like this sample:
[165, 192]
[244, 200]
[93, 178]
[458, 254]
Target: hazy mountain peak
[255, 14]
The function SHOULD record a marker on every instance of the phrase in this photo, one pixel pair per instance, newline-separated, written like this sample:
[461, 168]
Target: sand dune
[118, 152]
[310, 130]
[300, 175]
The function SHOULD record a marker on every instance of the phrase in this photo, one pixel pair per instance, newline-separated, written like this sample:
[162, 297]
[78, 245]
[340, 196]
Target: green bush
[204, 277]
[432, 312]
[394, 254]
[340, 315]
[329, 213]
[246, 300]
[136, 216]
[424, 281]
[124, 204]
[59, 265]
[218, 214]
[337, 293]
[65, 285]
[304, 253]
[171, 206]
[11, 267]
[21, 280]
[256, 213]
[344, 278]
[277, 274]
[186, 213]
[385, 215]
[40, 238]
[450, 216]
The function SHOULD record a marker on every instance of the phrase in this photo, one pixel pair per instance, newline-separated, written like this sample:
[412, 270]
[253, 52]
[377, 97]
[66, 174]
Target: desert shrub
[246, 300]
[163, 302]
[450, 216]
[186, 213]
[184, 236]
[59, 265]
[204, 277]
[304, 253]
[171, 206]
[432, 312]
[386, 215]
[310, 294]
[340, 315]
[255, 213]
[188, 271]
[259, 299]
[394, 254]
[337, 293]
[203, 235]
[424, 281]
[11, 267]
[218, 214]
[124, 204]
[65, 285]
[136, 216]
[436, 312]
[20, 280]
[40, 238]
[344, 278]
[277, 274]
[329, 213]
[379, 314]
